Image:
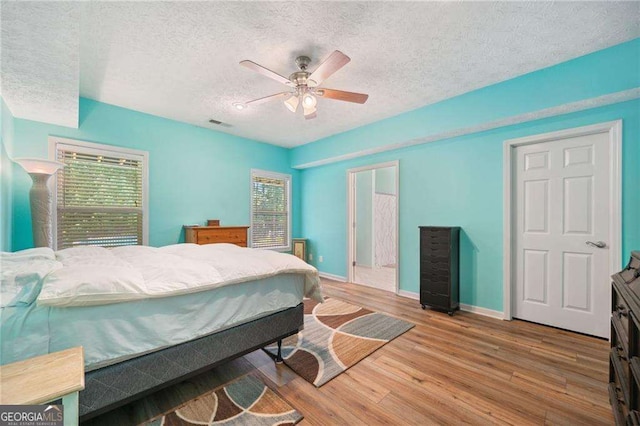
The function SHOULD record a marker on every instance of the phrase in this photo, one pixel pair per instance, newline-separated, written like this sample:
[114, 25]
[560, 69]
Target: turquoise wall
[364, 218]
[457, 182]
[6, 172]
[195, 173]
[604, 72]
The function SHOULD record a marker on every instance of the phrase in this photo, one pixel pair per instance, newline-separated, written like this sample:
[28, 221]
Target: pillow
[33, 253]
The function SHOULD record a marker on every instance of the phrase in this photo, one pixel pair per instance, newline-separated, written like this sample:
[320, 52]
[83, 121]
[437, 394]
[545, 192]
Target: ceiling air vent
[219, 123]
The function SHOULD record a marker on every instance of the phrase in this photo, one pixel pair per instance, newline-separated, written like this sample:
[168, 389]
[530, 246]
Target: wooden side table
[44, 379]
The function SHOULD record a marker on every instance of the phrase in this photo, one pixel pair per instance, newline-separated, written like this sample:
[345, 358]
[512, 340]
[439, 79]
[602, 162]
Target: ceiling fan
[304, 84]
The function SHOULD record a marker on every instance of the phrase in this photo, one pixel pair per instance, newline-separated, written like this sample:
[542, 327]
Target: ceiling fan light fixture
[292, 103]
[308, 110]
[303, 85]
[309, 101]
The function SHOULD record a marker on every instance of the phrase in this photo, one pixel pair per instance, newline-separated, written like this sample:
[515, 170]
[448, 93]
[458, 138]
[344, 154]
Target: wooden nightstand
[44, 379]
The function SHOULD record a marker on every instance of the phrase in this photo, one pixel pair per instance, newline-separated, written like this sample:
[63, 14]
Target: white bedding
[98, 276]
[21, 275]
[168, 295]
[119, 331]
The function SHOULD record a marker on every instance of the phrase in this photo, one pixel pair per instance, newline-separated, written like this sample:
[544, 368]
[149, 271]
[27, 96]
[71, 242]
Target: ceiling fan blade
[310, 116]
[266, 72]
[340, 95]
[333, 63]
[268, 98]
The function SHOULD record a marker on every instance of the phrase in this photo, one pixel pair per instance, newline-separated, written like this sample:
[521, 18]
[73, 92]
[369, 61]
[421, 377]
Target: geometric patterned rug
[243, 402]
[336, 336]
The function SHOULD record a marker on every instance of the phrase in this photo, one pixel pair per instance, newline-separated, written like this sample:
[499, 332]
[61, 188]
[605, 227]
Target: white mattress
[115, 332]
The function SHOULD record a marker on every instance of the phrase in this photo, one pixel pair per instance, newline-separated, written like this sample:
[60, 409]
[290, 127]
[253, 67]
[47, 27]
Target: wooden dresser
[216, 234]
[624, 358]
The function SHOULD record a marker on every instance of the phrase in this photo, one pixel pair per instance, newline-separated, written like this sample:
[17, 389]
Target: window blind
[99, 198]
[270, 211]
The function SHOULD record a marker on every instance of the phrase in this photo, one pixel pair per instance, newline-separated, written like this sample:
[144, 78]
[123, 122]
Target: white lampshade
[308, 110]
[309, 101]
[36, 165]
[292, 103]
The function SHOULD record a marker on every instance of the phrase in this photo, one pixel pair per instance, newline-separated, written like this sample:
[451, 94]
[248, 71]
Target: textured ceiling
[180, 59]
[39, 60]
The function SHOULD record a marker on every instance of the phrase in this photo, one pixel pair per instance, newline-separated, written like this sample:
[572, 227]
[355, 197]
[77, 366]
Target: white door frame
[614, 129]
[351, 211]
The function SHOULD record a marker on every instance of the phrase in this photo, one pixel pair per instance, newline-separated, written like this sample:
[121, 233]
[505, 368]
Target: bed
[149, 317]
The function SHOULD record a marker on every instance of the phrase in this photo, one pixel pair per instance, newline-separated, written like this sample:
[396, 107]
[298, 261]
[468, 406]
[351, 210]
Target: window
[270, 212]
[101, 195]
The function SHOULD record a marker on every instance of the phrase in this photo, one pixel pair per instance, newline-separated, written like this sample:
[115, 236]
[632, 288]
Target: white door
[562, 191]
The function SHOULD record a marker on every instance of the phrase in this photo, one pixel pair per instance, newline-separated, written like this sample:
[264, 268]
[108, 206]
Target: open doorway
[373, 226]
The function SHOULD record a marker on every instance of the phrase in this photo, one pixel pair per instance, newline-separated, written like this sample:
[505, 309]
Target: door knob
[598, 244]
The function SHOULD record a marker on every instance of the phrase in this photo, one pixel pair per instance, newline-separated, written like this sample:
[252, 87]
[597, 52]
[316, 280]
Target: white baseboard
[409, 294]
[463, 307]
[481, 311]
[332, 277]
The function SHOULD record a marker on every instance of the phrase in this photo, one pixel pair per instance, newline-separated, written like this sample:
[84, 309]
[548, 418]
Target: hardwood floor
[447, 370]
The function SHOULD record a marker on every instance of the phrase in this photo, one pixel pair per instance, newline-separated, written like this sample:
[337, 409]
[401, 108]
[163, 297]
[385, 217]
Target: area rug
[247, 401]
[336, 336]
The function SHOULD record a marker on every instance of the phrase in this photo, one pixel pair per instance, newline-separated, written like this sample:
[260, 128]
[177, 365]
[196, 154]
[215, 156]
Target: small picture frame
[300, 248]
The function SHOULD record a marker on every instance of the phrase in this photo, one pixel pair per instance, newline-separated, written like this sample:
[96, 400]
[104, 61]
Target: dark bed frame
[119, 384]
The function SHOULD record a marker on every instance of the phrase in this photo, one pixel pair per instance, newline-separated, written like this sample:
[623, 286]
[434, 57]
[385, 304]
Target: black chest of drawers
[624, 358]
[439, 267]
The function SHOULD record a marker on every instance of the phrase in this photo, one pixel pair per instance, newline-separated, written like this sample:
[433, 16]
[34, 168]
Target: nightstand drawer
[233, 236]
[217, 234]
